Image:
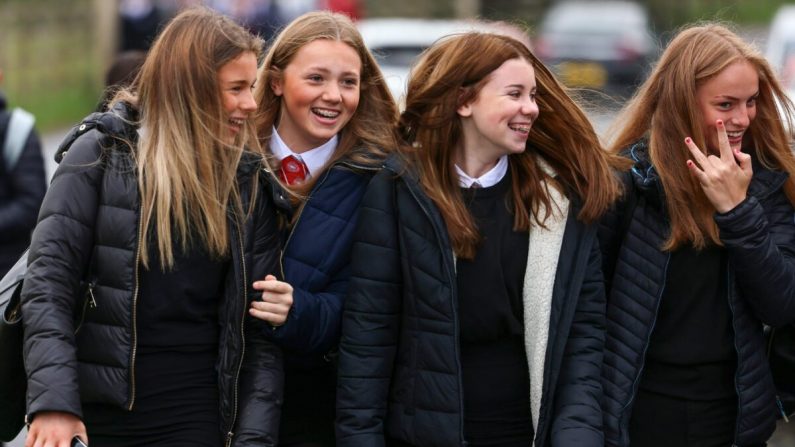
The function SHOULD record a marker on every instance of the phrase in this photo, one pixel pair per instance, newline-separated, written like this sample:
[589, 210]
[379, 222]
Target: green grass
[46, 52]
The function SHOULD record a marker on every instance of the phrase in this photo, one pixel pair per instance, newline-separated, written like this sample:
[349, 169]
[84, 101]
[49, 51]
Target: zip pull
[781, 409]
[229, 439]
[92, 302]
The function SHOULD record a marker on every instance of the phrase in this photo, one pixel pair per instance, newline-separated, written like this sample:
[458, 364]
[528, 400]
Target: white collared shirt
[315, 158]
[490, 178]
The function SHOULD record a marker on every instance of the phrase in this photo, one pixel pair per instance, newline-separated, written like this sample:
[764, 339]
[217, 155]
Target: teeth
[326, 113]
[734, 134]
[238, 122]
[520, 128]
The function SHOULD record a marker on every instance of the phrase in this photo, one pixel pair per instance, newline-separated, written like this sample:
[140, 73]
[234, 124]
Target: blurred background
[56, 54]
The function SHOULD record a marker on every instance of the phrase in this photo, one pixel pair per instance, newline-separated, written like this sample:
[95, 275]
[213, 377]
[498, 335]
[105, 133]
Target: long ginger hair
[187, 173]
[451, 73]
[665, 111]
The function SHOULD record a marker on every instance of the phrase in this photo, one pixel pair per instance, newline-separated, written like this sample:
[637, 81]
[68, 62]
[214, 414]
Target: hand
[277, 299]
[724, 179]
[55, 429]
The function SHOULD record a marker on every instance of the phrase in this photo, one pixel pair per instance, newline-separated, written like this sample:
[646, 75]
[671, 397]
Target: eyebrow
[326, 70]
[735, 98]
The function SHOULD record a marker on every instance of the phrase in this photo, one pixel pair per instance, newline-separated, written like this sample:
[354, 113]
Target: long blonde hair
[187, 173]
[369, 136]
[448, 76]
[665, 111]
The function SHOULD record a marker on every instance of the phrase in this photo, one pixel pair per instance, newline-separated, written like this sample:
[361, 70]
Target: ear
[464, 110]
[276, 83]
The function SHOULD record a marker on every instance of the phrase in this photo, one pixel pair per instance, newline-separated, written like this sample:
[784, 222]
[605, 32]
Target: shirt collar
[315, 158]
[490, 178]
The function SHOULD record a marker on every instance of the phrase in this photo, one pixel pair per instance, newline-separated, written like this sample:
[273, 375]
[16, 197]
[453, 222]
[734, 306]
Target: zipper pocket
[88, 301]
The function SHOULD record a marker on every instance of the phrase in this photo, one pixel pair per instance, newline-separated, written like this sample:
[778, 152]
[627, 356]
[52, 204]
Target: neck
[475, 163]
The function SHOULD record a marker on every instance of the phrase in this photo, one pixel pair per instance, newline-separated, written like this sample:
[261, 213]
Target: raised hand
[277, 299]
[724, 179]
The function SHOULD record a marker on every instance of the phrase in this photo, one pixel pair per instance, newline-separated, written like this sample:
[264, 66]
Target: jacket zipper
[135, 317]
[90, 302]
[729, 282]
[454, 292]
[301, 210]
[636, 382]
[231, 433]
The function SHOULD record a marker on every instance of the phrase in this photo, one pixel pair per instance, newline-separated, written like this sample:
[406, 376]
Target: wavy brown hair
[187, 174]
[369, 135]
[451, 73]
[665, 111]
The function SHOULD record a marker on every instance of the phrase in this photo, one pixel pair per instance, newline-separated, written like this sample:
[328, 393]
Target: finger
[744, 160]
[723, 142]
[270, 307]
[698, 173]
[699, 156]
[274, 286]
[270, 278]
[268, 316]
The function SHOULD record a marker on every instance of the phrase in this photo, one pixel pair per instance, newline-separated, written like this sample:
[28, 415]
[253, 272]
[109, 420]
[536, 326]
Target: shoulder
[97, 132]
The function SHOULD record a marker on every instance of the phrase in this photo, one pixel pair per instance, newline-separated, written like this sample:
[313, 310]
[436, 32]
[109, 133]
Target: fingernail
[720, 123]
[688, 140]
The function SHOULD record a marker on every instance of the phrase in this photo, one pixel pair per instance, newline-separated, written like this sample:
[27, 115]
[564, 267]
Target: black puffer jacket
[400, 371]
[759, 237]
[80, 336]
[21, 191]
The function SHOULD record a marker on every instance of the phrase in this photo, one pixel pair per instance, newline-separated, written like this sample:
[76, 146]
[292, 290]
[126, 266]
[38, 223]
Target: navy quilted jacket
[315, 262]
[759, 237]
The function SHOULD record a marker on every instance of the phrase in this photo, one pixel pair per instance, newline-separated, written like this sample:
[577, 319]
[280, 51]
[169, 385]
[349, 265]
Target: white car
[396, 43]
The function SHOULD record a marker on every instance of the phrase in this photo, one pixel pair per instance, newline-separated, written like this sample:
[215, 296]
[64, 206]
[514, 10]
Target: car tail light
[628, 49]
[541, 48]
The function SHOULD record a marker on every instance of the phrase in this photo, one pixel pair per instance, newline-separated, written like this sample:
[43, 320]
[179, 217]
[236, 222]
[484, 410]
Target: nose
[741, 117]
[529, 107]
[332, 92]
[247, 102]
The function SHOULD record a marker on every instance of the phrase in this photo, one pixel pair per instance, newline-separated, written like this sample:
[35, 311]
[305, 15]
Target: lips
[522, 128]
[325, 113]
[735, 136]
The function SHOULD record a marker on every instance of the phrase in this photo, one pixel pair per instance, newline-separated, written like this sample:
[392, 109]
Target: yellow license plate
[582, 74]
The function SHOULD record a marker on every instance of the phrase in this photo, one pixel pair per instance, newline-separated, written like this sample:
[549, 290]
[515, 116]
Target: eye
[725, 105]
[751, 102]
[315, 78]
[350, 82]
[514, 94]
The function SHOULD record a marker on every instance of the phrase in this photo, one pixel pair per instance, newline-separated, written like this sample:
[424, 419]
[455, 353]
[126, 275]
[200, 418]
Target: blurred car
[780, 50]
[396, 43]
[601, 45]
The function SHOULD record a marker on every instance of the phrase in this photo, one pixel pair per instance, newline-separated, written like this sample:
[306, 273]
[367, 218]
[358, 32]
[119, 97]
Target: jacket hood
[119, 122]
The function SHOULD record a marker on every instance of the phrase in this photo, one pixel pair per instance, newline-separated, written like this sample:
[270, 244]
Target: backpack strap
[19, 127]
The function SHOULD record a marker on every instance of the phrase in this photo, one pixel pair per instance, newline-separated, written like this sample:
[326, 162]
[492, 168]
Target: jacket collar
[647, 180]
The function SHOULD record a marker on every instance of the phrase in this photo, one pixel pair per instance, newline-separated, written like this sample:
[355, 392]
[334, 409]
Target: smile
[522, 128]
[325, 113]
[735, 134]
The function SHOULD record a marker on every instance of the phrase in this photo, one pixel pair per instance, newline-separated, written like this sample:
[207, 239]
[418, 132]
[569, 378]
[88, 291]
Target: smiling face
[320, 92]
[729, 96]
[499, 119]
[236, 82]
